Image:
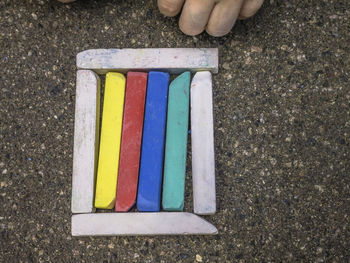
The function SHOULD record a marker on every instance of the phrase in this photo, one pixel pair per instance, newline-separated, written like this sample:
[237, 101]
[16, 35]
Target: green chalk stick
[176, 143]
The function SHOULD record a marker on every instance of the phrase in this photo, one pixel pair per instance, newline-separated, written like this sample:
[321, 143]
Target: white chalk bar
[163, 223]
[202, 139]
[173, 60]
[86, 137]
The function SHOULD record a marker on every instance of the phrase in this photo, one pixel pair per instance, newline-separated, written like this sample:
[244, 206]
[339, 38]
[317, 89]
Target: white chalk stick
[164, 223]
[202, 138]
[86, 136]
[173, 60]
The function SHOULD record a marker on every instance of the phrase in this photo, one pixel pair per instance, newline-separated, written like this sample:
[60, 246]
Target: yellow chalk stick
[112, 117]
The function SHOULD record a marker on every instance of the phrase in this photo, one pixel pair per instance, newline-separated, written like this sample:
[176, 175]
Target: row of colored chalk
[143, 143]
[126, 129]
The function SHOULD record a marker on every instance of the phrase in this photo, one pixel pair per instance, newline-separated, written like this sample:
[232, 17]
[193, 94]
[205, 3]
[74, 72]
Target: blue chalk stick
[152, 153]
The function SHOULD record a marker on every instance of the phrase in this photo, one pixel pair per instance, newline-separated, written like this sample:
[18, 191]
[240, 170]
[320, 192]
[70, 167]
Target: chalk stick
[130, 149]
[86, 136]
[176, 143]
[152, 153]
[164, 223]
[202, 138]
[173, 60]
[111, 127]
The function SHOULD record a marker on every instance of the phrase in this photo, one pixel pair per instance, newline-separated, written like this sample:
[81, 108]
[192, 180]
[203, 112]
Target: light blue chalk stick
[176, 143]
[153, 139]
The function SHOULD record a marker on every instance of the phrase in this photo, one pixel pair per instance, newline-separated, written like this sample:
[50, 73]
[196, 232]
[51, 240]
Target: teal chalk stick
[176, 143]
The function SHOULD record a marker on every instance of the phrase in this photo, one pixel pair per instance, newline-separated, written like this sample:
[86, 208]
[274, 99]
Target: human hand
[217, 17]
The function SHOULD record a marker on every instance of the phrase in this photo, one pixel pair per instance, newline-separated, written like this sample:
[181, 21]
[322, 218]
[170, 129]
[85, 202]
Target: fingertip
[249, 8]
[223, 17]
[194, 16]
[170, 7]
[217, 33]
[188, 29]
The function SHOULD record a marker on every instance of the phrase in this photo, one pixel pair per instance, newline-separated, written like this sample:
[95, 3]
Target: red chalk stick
[130, 148]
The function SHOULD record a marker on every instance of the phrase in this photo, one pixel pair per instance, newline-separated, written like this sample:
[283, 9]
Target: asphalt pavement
[282, 131]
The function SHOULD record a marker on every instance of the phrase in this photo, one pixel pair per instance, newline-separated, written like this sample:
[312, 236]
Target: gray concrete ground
[282, 127]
